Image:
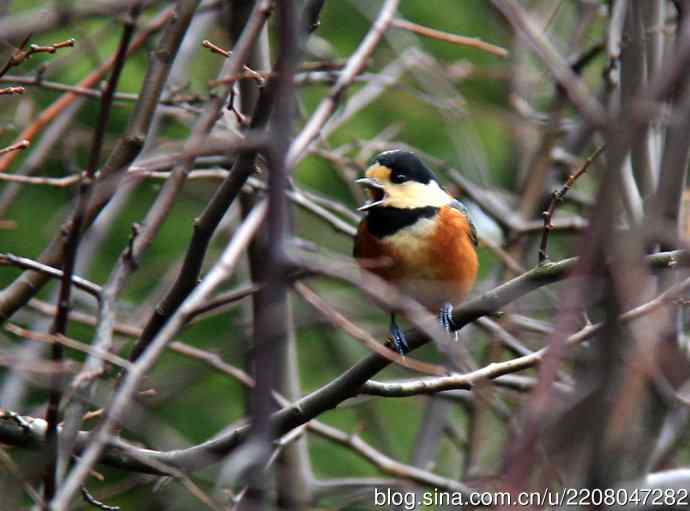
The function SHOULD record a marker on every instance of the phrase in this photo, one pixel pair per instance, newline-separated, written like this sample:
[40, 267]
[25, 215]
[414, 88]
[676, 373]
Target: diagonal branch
[354, 66]
[349, 383]
[516, 15]
[221, 271]
[56, 466]
[29, 283]
[471, 42]
[497, 369]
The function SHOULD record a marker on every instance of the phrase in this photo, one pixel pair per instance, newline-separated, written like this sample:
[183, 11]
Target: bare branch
[22, 54]
[558, 196]
[354, 66]
[20, 291]
[18, 146]
[12, 91]
[471, 42]
[221, 272]
[219, 203]
[566, 78]
[92, 79]
[30, 264]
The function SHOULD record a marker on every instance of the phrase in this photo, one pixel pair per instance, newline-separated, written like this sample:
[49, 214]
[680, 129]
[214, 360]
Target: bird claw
[398, 339]
[445, 317]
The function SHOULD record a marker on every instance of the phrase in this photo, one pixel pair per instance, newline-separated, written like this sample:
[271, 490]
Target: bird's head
[398, 179]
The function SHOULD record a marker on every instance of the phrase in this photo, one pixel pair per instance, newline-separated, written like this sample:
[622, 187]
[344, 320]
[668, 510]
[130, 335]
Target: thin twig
[22, 53]
[209, 219]
[557, 197]
[18, 146]
[125, 151]
[67, 342]
[30, 264]
[354, 66]
[386, 464]
[90, 499]
[157, 73]
[259, 77]
[92, 79]
[213, 360]
[523, 23]
[37, 81]
[46, 17]
[221, 271]
[59, 457]
[341, 322]
[349, 383]
[12, 91]
[353, 442]
[471, 42]
[496, 369]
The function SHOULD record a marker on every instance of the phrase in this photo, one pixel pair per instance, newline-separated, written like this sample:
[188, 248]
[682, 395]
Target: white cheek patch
[416, 195]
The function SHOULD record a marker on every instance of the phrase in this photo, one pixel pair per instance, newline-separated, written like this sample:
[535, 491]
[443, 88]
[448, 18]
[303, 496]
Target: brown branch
[208, 221]
[12, 90]
[215, 48]
[221, 271]
[385, 463]
[92, 79]
[27, 432]
[22, 289]
[68, 343]
[127, 262]
[213, 360]
[349, 384]
[259, 77]
[35, 161]
[362, 336]
[22, 54]
[30, 264]
[497, 369]
[37, 81]
[354, 66]
[308, 201]
[557, 197]
[205, 225]
[90, 499]
[471, 42]
[157, 167]
[72, 234]
[522, 22]
[47, 17]
[350, 441]
[18, 146]
[271, 310]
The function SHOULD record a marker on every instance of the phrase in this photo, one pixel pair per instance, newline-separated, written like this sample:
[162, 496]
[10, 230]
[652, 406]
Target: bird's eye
[398, 178]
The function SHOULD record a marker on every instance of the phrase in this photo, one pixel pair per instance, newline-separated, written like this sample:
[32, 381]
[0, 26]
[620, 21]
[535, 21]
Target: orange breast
[434, 260]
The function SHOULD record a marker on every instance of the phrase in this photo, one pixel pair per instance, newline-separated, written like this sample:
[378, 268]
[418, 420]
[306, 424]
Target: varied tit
[415, 236]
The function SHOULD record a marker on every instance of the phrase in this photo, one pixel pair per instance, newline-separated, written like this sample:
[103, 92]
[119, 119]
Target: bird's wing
[459, 206]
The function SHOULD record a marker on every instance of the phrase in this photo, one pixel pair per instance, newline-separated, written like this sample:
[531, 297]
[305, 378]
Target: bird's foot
[445, 317]
[398, 338]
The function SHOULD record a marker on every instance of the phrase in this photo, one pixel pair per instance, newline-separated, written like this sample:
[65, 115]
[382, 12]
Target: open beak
[375, 191]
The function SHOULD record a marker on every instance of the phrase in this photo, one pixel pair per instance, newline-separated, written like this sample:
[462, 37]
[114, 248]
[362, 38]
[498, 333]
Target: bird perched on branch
[415, 236]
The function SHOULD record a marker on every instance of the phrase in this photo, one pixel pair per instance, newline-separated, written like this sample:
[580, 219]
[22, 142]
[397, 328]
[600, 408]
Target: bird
[416, 236]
